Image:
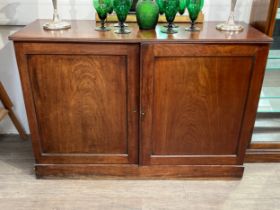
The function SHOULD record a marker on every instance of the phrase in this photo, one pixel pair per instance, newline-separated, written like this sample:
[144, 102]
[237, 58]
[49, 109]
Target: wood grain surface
[82, 106]
[8, 105]
[189, 89]
[3, 113]
[193, 115]
[263, 15]
[86, 93]
[84, 31]
[196, 102]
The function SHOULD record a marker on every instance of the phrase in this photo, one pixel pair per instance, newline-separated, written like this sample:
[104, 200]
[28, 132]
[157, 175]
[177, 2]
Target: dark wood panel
[193, 108]
[263, 152]
[262, 155]
[265, 145]
[197, 103]
[84, 108]
[140, 172]
[263, 15]
[84, 31]
[80, 103]
[197, 108]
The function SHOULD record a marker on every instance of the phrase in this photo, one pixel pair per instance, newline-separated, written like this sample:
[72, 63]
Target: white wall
[10, 79]
[218, 10]
[25, 11]
[21, 12]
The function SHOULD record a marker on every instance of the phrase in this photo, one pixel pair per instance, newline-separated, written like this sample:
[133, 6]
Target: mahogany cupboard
[265, 145]
[140, 105]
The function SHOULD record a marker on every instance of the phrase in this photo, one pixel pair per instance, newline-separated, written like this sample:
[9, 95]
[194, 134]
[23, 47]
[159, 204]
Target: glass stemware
[160, 4]
[170, 10]
[194, 8]
[56, 23]
[182, 6]
[119, 25]
[102, 7]
[230, 25]
[121, 8]
[110, 7]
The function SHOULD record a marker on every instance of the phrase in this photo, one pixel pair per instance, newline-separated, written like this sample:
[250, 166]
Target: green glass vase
[121, 8]
[102, 7]
[170, 10]
[194, 8]
[161, 6]
[182, 7]
[147, 12]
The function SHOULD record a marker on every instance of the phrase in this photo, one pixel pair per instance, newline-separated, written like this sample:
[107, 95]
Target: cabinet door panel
[85, 103]
[194, 102]
[81, 103]
[197, 105]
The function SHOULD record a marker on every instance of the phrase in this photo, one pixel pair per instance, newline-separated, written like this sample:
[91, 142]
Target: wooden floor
[19, 189]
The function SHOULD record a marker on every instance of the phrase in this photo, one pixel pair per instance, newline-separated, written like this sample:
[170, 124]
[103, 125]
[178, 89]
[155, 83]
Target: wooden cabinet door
[198, 102]
[82, 101]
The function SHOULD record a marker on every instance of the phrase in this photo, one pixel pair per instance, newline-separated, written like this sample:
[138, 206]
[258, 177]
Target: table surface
[84, 31]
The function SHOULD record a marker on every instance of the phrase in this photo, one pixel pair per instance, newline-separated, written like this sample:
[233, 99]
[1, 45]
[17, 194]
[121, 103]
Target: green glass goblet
[119, 25]
[161, 6]
[102, 7]
[173, 24]
[182, 6]
[110, 6]
[194, 8]
[181, 10]
[170, 10]
[121, 8]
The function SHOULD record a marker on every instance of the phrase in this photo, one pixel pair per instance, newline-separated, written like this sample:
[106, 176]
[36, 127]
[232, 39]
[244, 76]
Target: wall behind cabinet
[21, 12]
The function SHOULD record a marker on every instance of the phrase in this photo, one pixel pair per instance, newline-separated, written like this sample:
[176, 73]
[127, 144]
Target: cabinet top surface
[84, 31]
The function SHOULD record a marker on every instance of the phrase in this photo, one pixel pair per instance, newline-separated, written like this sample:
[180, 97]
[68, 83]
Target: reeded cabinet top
[83, 31]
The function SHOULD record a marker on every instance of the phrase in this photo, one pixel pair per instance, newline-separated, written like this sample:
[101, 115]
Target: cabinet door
[82, 101]
[198, 102]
